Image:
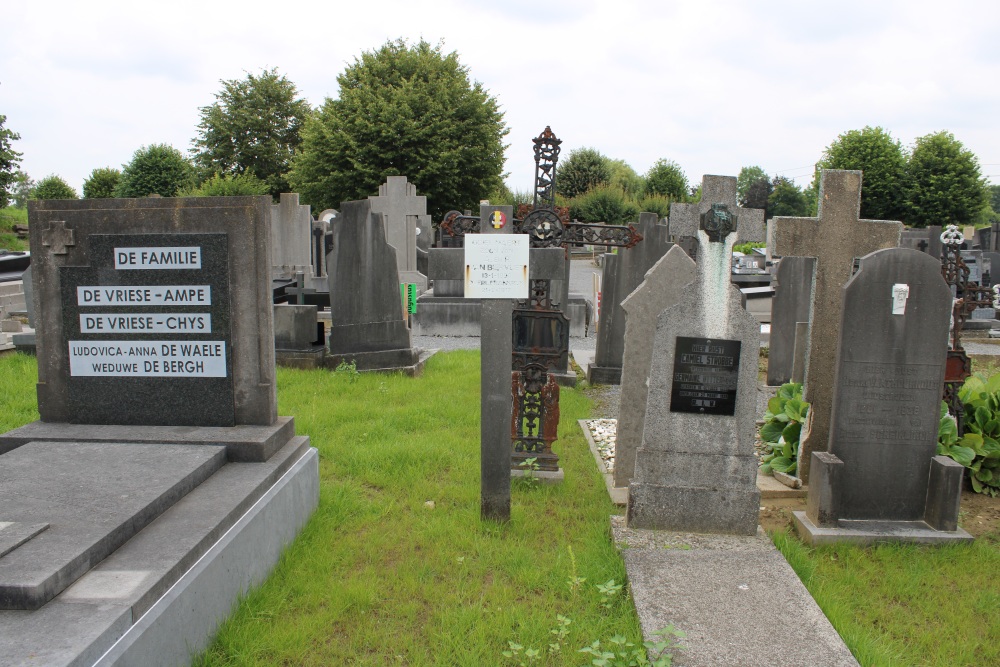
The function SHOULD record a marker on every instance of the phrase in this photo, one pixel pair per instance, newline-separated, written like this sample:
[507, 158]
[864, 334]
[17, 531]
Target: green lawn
[378, 577]
[8, 218]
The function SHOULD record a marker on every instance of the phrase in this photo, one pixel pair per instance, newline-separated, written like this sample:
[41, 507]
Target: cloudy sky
[714, 85]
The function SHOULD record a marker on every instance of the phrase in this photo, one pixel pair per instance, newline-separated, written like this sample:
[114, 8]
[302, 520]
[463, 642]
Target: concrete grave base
[720, 590]
[246, 442]
[604, 374]
[159, 598]
[304, 359]
[409, 361]
[873, 532]
[697, 509]
[619, 494]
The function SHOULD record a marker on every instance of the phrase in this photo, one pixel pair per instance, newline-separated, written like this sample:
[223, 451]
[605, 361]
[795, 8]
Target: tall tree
[9, 159]
[101, 183]
[747, 177]
[53, 187]
[158, 169]
[667, 178]
[881, 158]
[945, 184]
[787, 198]
[583, 170]
[403, 110]
[253, 127]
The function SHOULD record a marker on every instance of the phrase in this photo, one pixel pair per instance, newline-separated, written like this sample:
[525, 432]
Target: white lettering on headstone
[145, 323]
[900, 293]
[496, 266]
[158, 258]
[144, 295]
[154, 358]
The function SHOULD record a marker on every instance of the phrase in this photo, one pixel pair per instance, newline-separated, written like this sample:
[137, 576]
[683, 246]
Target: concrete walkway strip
[736, 598]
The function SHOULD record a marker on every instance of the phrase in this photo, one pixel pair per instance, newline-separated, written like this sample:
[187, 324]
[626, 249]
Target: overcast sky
[714, 85]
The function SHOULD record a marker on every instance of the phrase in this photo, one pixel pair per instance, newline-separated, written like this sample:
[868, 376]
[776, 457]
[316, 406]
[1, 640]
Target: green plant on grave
[349, 370]
[981, 402]
[782, 426]
[618, 651]
[745, 248]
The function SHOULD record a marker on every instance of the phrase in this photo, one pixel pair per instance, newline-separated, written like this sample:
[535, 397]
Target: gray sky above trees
[711, 84]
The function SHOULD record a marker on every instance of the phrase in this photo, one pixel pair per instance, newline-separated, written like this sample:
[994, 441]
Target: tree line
[413, 110]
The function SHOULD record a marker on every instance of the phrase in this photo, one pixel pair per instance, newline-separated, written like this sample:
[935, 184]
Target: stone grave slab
[663, 287]
[366, 310]
[405, 220]
[791, 304]
[94, 501]
[881, 468]
[622, 274]
[835, 238]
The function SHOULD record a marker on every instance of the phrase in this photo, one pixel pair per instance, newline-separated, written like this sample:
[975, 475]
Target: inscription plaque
[706, 371]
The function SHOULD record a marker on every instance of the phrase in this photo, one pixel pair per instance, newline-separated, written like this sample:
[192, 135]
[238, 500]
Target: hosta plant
[783, 421]
[979, 448]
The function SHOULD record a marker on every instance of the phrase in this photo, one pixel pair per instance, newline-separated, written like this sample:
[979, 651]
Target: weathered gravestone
[791, 304]
[696, 469]
[292, 242]
[367, 323]
[635, 378]
[879, 479]
[159, 446]
[665, 285]
[684, 218]
[299, 339]
[404, 216]
[835, 238]
[622, 273]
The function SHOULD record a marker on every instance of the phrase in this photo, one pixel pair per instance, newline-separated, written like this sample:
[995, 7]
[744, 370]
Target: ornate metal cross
[540, 329]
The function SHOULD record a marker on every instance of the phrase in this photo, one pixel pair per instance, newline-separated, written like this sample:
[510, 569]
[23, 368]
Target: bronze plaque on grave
[706, 371]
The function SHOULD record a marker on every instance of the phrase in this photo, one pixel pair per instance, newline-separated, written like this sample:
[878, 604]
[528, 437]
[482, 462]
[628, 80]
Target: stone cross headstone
[879, 477]
[791, 303]
[622, 274]
[696, 469]
[665, 285]
[404, 216]
[835, 238]
[683, 220]
[367, 323]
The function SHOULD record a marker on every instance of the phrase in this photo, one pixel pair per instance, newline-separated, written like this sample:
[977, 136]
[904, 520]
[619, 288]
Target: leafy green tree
[657, 204]
[666, 178]
[101, 183]
[604, 203]
[9, 159]
[583, 170]
[625, 177]
[994, 192]
[787, 198]
[751, 177]
[881, 158]
[227, 186]
[945, 184]
[403, 110]
[53, 187]
[253, 127]
[157, 169]
[23, 185]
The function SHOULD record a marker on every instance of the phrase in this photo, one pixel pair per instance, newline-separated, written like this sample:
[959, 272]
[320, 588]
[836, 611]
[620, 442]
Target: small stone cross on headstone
[835, 238]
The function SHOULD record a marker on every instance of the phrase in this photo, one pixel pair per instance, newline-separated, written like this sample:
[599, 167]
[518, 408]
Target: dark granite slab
[95, 496]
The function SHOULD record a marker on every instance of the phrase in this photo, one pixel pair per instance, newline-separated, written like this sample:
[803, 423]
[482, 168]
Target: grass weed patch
[396, 567]
[900, 605]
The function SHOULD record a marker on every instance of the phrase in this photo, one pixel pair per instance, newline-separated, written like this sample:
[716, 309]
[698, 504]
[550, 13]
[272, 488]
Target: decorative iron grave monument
[159, 445]
[879, 478]
[696, 469]
[497, 272]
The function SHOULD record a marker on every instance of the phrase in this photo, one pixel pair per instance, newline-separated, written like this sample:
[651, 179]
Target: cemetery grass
[9, 217]
[380, 577]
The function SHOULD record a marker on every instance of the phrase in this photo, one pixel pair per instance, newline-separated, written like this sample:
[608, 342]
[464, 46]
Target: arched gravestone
[879, 478]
